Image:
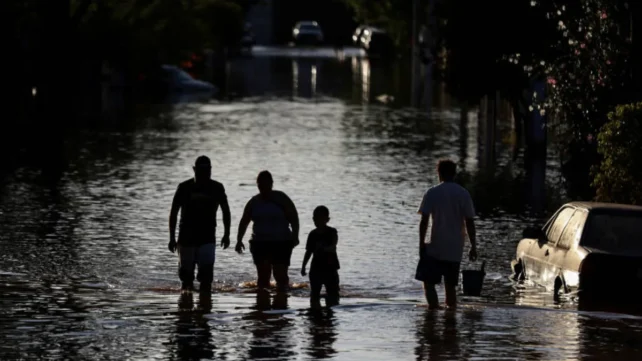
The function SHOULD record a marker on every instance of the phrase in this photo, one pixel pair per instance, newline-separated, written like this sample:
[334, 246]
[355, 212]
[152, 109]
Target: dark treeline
[62, 52]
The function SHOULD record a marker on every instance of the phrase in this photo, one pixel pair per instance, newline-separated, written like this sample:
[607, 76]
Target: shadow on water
[437, 337]
[271, 330]
[322, 333]
[193, 338]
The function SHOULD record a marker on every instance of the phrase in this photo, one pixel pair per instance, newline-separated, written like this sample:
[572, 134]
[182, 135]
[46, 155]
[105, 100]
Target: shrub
[619, 176]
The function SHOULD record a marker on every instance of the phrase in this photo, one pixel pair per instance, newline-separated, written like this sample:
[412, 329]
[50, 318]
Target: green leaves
[619, 177]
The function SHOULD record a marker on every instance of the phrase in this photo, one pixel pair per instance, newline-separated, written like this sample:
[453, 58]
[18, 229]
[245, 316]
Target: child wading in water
[324, 271]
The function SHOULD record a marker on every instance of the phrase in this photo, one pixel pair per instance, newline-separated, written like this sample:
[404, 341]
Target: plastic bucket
[473, 280]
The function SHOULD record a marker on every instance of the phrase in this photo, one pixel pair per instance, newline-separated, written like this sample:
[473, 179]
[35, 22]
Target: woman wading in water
[275, 232]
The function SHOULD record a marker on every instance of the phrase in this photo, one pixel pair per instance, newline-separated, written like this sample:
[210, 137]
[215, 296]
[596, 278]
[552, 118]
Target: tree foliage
[137, 31]
[588, 71]
[486, 44]
[394, 16]
[619, 177]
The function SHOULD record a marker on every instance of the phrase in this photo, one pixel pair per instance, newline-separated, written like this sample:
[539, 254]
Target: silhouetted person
[450, 209]
[322, 246]
[275, 232]
[198, 200]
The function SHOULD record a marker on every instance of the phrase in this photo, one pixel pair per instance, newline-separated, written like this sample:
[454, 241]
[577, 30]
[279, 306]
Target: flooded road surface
[85, 272]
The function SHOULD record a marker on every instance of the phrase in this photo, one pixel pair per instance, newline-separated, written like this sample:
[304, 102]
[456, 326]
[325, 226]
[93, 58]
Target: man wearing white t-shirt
[450, 209]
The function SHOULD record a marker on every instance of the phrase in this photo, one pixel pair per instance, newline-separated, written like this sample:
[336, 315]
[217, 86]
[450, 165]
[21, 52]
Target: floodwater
[85, 272]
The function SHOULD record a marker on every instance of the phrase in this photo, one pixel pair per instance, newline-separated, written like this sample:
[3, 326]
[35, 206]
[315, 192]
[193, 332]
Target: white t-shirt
[448, 205]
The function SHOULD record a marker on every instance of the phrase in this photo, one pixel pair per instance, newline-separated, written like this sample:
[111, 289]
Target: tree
[619, 176]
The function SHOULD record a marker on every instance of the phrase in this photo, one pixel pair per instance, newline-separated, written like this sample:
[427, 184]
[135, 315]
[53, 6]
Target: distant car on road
[307, 32]
[595, 248]
[358, 32]
[377, 43]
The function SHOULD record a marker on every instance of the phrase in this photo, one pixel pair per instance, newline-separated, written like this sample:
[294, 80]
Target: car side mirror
[534, 233]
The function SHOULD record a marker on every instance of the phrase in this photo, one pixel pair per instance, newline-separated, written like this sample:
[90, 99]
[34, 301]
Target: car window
[573, 230]
[555, 229]
[614, 232]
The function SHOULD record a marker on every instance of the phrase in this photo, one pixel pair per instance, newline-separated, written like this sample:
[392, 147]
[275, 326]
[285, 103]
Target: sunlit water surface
[85, 272]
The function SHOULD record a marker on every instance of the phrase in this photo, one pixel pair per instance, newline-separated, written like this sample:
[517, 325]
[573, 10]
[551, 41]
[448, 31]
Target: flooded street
[85, 272]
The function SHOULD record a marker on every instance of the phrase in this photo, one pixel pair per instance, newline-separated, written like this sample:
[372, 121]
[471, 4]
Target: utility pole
[414, 75]
[429, 47]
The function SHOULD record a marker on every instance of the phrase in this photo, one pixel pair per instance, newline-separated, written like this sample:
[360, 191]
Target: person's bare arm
[293, 217]
[472, 236]
[243, 224]
[227, 220]
[469, 214]
[227, 215]
[306, 258]
[173, 218]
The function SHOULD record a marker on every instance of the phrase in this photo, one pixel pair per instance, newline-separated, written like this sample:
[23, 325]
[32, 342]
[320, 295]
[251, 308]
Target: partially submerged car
[594, 248]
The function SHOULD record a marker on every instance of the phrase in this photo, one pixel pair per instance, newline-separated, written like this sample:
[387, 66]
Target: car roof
[308, 23]
[376, 30]
[603, 206]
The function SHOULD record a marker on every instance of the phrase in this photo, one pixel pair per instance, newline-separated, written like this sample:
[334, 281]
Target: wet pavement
[85, 273]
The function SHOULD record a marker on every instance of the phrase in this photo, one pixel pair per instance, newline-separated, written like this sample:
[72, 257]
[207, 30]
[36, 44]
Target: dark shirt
[199, 204]
[318, 242]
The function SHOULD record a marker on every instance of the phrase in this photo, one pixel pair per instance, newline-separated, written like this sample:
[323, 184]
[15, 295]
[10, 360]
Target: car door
[543, 270]
[566, 254]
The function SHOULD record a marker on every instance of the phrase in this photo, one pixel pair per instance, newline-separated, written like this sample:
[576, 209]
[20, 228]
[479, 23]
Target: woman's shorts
[272, 252]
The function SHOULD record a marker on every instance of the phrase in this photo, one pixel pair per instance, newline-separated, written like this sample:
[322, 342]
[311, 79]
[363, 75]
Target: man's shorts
[430, 270]
[272, 252]
[189, 257]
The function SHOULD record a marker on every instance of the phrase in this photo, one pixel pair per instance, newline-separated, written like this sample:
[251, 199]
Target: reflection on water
[84, 269]
[437, 337]
[321, 328]
[272, 332]
[193, 337]
[304, 78]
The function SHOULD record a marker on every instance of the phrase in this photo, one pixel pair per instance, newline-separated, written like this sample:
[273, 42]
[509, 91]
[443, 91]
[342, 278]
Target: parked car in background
[307, 32]
[594, 248]
[356, 36]
[178, 80]
[377, 43]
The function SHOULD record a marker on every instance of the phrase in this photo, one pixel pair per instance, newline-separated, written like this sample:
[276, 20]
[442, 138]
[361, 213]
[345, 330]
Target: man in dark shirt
[324, 271]
[198, 200]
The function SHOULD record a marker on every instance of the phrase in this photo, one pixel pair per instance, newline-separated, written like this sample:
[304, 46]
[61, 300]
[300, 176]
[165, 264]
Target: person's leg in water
[430, 274]
[186, 266]
[280, 263]
[260, 255]
[205, 258]
[315, 289]
[281, 277]
[431, 295]
[264, 273]
[332, 288]
[451, 279]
